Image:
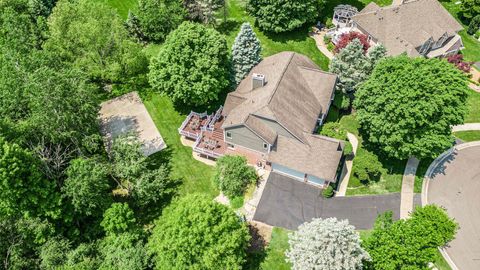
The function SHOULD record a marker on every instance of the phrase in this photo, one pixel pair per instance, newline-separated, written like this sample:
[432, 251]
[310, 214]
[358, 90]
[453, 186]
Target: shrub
[334, 130]
[346, 38]
[233, 175]
[328, 192]
[367, 167]
[348, 149]
[158, 18]
[457, 60]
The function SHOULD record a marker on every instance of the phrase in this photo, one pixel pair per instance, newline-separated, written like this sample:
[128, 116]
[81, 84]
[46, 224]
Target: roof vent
[258, 80]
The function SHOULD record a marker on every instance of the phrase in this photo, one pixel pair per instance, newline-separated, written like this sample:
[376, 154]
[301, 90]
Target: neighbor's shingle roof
[320, 157]
[295, 94]
[403, 28]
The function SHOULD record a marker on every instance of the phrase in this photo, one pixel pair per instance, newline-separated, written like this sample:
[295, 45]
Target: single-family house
[416, 27]
[271, 119]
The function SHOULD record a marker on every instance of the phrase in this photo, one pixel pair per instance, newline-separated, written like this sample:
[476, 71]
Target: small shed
[127, 114]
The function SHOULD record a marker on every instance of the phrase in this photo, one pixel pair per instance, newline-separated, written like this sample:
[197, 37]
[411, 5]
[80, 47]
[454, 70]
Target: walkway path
[347, 167]
[318, 36]
[408, 183]
[467, 126]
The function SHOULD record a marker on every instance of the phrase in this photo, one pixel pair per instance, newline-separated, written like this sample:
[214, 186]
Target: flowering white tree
[326, 244]
[245, 52]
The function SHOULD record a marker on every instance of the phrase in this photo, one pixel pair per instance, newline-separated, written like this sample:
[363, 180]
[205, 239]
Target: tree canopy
[469, 9]
[95, 42]
[284, 15]
[245, 52]
[192, 66]
[353, 66]
[198, 233]
[405, 108]
[233, 175]
[158, 18]
[312, 244]
[23, 188]
[88, 186]
[410, 243]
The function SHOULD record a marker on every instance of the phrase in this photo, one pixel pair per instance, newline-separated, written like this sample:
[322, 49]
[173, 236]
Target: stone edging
[426, 181]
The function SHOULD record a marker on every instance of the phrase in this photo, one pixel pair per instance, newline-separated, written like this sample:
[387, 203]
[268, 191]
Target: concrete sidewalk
[347, 168]
[466, 127]
[408, 183]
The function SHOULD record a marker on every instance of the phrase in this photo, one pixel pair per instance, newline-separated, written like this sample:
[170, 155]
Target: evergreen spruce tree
[245, 52]
[354, 67]
[133, 27]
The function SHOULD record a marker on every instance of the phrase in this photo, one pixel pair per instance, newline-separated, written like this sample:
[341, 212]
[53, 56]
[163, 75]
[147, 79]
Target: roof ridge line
[281, 78]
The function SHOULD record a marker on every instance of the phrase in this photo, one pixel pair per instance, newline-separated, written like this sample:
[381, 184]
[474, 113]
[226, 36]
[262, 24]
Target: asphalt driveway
[288, 203]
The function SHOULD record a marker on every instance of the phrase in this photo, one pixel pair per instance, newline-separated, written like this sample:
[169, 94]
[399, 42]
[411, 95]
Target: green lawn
[297, 41]
[196, 176]
[122, 6]
[473, 115]
[420, 174]
[390, 181]
[468, 136]
[275, 253]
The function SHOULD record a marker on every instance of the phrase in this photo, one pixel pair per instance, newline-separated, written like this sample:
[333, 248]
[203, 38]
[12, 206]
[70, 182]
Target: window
[229, 134]
[265, 145]
[231, 146]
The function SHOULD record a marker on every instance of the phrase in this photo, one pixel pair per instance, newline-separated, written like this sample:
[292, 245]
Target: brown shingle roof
[320, 157]
[295, 94]
[403, 28]
[261, 129]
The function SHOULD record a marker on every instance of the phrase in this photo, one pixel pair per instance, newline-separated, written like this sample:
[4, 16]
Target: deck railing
[201, 150]
[215, 118]
[185, 122]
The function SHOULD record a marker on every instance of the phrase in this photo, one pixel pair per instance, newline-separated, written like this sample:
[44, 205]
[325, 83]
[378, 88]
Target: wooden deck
[212, 143]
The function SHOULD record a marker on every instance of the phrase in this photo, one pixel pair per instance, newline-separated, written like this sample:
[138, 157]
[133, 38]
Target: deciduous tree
[95, 42]
[469, 9]
[284, 15]
[88, 186]
[192, 66]
[326, 244]
[408, 106]
[233, 175]
[410, 243]
[23, 188]
[159, 17]
[117, 219]
[197, 233]
[245, 52]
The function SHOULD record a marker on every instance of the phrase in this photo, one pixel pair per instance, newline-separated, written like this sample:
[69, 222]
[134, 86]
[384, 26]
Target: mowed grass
[195, 176]
[297, 40]
[473, 103]
[390, 181]
[468, 136]
[275, 252]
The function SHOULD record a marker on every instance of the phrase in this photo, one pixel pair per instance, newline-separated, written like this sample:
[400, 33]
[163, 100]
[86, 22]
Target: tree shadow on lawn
[229, 27]
[256, 252]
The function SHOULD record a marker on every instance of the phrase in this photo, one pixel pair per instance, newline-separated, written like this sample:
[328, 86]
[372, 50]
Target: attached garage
[297, 175]
[287, 171]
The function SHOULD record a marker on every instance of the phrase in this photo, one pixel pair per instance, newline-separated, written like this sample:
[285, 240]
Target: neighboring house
[271, 119]
[417, 27]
